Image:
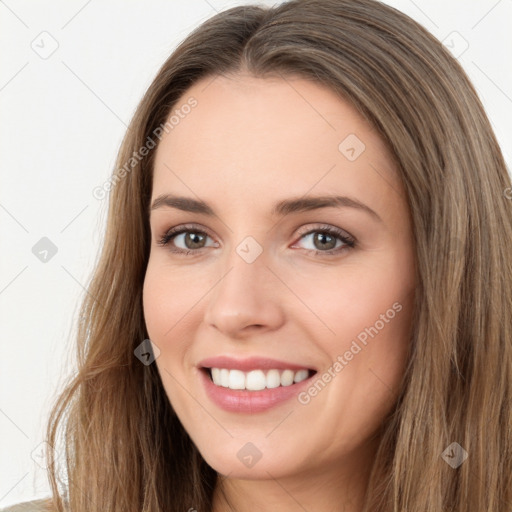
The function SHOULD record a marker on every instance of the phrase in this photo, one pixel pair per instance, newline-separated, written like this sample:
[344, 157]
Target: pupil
[321, 237]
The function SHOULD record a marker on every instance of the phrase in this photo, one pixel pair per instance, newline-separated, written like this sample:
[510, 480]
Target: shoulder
[43, 505]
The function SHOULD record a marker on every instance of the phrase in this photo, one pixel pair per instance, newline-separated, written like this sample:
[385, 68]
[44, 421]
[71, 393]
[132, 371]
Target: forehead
[250, 138]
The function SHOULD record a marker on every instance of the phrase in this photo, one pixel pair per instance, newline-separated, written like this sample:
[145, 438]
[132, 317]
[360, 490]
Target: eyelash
[349, 242]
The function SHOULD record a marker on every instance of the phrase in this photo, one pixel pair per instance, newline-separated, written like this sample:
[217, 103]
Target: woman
[309, 220]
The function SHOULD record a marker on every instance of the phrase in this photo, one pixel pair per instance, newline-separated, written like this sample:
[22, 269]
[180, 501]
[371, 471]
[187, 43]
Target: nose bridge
[245, 295]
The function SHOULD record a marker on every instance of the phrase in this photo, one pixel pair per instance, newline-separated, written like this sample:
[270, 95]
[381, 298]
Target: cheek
[155, 297]
[350, 300]
[169, 297]
[368, 313]
[166, 304]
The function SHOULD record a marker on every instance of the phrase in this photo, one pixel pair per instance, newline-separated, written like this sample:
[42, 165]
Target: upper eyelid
[180, 228]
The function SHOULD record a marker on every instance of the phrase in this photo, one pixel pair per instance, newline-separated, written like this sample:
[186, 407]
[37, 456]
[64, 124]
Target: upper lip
[251, 363]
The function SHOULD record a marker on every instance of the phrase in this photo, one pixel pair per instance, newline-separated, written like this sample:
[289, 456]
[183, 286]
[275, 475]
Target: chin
[245, 461]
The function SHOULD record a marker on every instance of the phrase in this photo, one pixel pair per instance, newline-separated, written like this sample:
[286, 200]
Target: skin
[249, 143]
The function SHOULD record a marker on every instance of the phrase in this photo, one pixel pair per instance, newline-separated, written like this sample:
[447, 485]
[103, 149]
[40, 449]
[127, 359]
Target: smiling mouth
[256, 380]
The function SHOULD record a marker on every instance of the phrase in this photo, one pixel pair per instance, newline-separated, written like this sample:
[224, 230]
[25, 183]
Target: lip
[244, 401]
[251, 363]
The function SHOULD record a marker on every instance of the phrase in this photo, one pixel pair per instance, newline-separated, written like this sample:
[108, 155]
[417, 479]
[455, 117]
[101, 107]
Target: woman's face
[276, 282]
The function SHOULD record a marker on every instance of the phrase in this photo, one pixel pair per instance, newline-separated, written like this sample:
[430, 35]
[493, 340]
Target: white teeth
[273, 379]
[256, 380]
[301, 375]
[224, 378]
[287, 378]
[236, 379]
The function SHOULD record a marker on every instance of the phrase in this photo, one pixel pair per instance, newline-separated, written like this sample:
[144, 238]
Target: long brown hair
[124, 447]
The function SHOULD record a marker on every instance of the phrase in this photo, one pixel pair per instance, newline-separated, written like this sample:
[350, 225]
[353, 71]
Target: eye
[323, 240]
[185, 239]
[327, 240]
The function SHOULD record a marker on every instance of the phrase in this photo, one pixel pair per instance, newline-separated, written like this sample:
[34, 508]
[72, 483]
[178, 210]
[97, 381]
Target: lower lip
[244, 401]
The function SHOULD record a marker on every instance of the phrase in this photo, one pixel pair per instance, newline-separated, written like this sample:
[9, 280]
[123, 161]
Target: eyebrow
[284, 207]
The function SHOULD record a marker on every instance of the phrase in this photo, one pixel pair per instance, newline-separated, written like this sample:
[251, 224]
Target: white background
[63, 118]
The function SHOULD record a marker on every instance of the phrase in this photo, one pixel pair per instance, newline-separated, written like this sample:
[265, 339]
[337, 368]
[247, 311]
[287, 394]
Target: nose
[245, 300]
